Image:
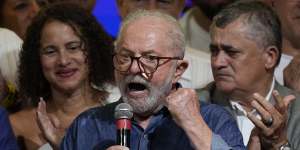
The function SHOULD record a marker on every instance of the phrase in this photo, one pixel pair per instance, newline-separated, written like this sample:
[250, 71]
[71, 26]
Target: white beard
[149, 104]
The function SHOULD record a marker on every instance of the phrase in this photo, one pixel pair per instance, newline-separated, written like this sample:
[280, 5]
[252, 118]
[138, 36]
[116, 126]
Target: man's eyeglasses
[147, 64]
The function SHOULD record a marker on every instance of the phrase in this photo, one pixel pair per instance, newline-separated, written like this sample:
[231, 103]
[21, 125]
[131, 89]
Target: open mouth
[135, 87]
[137, 90]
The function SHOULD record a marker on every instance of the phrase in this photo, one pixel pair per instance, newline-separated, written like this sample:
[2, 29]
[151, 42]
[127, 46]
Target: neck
[142, 121]
[75, 102]
[245, 96]
[288, 49]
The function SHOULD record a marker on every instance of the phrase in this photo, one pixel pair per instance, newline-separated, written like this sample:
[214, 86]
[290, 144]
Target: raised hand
[184, 107]
[272, 125]
[50, 126]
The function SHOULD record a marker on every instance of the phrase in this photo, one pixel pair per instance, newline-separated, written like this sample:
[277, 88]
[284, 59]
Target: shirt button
[145, 136]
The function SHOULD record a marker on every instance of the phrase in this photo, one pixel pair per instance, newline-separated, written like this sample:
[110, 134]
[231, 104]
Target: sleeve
[7, 138]
[69, 140]
[223, 126]
[218, 143]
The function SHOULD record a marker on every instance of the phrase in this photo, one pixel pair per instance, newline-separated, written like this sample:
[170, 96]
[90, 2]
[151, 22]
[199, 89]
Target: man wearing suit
[246, 48]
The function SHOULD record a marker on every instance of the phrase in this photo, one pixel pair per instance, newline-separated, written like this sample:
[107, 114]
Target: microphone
[123, 114]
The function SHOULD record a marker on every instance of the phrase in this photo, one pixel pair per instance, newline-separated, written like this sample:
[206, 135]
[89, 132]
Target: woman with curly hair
[65, 62]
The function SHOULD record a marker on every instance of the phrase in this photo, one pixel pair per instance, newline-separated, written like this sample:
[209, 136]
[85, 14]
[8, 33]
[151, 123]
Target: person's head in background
[211, 7]
[10, 46]
[86, 4]
[171, 7]
[62, 37]
[245, 34]
[288, 12]
[17, 15]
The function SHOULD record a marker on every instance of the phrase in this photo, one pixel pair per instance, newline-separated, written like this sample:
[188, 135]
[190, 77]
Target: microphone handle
[123, 137]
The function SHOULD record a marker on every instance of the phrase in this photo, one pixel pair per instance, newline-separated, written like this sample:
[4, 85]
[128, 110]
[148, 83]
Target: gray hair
[175, 33]
[262, 22]
[10, 46]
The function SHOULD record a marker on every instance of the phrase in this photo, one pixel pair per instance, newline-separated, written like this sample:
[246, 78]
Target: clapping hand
[271, 128]
[50, 126]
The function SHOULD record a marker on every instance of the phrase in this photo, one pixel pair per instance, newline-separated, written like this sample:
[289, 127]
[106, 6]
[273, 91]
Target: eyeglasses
[147, 64]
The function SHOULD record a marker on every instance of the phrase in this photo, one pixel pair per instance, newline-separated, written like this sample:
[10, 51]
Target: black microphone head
[123, 111]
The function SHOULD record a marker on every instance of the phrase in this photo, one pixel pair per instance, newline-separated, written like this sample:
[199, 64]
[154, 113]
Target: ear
[181, 67]
[271, 55]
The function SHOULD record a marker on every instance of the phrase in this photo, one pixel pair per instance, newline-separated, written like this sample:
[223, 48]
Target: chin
[142, 106]
[69, 87]
[225, 87]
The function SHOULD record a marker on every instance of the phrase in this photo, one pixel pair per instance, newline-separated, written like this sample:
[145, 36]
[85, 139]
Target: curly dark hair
[2, 2]
[99, 46]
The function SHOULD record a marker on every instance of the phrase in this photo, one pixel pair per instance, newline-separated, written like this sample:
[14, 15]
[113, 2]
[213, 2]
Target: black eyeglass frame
[142, 65]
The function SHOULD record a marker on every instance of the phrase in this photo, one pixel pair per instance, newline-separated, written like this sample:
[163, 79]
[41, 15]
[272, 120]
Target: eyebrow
[147, 52]
[223, 47]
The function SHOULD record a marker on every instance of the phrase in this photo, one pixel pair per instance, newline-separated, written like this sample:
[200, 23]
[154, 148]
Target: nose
[63, 59]
[134, 67]
[34, 9]
[219, 60]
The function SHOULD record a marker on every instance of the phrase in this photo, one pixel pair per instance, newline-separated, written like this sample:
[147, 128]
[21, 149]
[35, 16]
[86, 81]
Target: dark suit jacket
[210, 94]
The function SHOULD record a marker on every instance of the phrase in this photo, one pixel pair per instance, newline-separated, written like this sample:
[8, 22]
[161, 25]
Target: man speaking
[148, 62]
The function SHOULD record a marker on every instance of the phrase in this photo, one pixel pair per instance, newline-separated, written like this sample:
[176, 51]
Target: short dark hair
[99, 46]
[262, 21]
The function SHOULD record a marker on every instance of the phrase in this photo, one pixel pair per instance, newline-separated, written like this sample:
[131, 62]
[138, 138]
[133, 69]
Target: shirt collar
[239, 108]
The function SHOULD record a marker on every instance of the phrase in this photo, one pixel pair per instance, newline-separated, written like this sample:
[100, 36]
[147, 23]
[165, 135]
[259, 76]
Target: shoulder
[23, 115]
[217, 117]
[3, 117]
[221, 122]
[2, 112]
[213, 111]
[94, 125]
[93, 118]
[23, 121]
[7, 138]
[101, 112]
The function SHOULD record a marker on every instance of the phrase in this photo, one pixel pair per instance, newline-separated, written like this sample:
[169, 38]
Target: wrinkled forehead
[147, 34]
[238, 28]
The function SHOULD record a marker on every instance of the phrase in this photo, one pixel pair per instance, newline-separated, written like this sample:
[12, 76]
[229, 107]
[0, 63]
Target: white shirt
[196, 37]
[284, 61]
[244, 123]
[199, 72]
[46, 146]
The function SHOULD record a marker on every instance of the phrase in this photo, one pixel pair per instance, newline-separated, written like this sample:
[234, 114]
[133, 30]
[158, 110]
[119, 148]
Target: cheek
[118, 76]
[162, 74]
[10, 18]
[47, 65]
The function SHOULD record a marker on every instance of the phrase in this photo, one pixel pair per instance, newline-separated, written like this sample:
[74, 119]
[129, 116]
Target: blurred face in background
[289, 14]
[172, 7]
[211, 7]
[17, 15]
